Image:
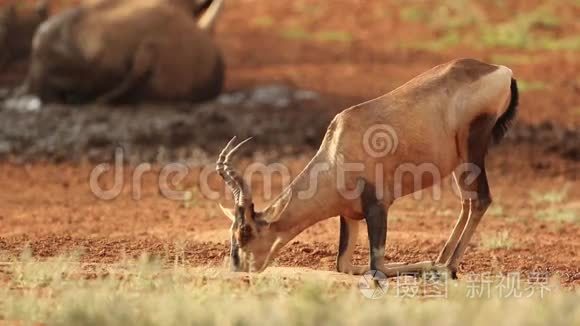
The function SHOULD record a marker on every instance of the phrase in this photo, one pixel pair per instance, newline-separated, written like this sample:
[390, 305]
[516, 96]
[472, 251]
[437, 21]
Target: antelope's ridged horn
[241, 191]
[209, 18]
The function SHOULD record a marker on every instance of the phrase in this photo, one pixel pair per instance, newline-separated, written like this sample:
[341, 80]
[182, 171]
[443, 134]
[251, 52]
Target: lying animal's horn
[241, 191]
[208, 19]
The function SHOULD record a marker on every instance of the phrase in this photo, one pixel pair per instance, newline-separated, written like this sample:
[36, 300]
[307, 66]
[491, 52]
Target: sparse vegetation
[298, 33]
[189, 198]
[560, 215]
[499, 240]
[526, 86]
[412, 14]
[550, 206]
[447, 212]
[456, 14]
[496, 210]
[295, 33]
[263, 21]
[449, 39]
[511, 59]
[337, 36]
[309, 8]
[550, 197]
[61, 291]
[466, 22]
[518, 33]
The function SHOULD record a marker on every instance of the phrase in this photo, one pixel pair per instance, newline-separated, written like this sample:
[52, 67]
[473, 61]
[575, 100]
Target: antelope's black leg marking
[376, 217]
[346, 245]
[343, 239]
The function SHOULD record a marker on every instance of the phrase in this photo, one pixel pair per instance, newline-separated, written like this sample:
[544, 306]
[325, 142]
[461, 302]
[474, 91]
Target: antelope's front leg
[346, 245]
[375, 214]
[348, 238]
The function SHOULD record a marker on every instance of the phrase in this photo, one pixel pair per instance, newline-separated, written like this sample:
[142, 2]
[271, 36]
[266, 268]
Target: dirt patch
[51, 210]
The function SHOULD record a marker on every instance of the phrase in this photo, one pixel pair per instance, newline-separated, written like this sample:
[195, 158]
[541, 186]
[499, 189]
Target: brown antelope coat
[127, 50]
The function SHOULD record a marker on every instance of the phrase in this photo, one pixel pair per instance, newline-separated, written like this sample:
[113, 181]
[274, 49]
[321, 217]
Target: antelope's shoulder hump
[450, 76]
[467, 70]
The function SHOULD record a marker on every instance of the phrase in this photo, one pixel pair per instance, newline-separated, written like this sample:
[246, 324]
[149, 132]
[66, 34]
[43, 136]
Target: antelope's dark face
[254, 241]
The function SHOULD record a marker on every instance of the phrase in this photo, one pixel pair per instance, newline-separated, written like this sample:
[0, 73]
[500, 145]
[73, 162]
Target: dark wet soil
[279, 118]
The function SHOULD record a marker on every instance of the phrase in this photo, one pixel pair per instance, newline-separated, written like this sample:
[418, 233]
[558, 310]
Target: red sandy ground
[51, 208]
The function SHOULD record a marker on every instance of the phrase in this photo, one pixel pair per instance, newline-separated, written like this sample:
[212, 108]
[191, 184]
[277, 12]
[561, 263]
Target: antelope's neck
[313, 198]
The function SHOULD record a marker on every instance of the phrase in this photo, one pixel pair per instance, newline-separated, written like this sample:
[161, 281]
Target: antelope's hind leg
[451, 244]
[475, 194]
[478, 207]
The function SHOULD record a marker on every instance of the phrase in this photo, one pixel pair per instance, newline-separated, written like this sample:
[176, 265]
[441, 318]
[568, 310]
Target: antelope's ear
[273, 213]
[229, 212]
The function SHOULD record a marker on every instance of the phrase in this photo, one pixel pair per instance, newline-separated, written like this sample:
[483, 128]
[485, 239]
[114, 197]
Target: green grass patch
[499, 240]
[571, 43]
[550, 197]
[518, 32]
[447, 212]
[412, 14]
[190, 199]
[456, 14]
[295, 33]
[526, 86]
[496, 210]
[333, 36]
[466, 22]
[559, 215]
[447, 40]
[263, 21]
[550, 206]
[309, 8]
[298, 33]
[515, 59]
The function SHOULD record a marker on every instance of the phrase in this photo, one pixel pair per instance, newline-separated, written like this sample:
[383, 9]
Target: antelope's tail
[504, 122]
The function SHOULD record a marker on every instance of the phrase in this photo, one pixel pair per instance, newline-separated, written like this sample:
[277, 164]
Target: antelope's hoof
[438, 272]
[453, 274]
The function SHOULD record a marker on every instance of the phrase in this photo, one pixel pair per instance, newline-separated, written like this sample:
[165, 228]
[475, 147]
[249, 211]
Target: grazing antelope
[109, 51]
[446, 117]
